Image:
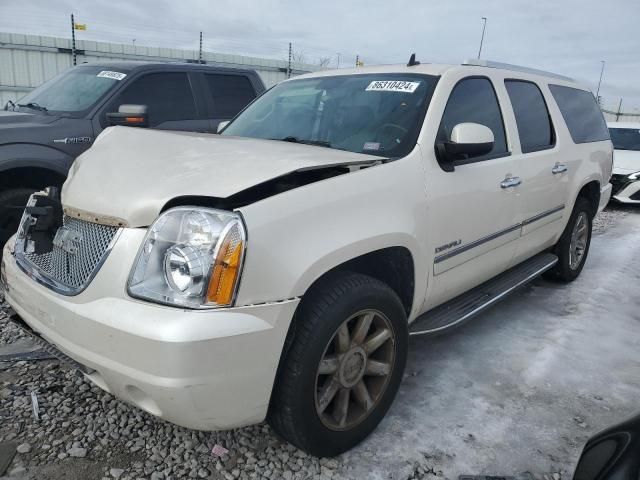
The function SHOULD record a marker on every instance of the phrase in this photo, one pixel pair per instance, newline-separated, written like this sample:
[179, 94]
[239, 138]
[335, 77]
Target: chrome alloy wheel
[355, 369]
[579, 238]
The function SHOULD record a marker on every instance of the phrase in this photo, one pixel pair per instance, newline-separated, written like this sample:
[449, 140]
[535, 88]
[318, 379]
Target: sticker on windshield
[113, 75]
[392, 86]
[371, 146]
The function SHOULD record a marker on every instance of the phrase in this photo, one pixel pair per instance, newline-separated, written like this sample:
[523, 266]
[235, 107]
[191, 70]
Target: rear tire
[12, 203]
[343, 366]
[573, 247]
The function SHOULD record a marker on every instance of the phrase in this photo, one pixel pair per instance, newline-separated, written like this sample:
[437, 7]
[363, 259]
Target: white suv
[277, 270]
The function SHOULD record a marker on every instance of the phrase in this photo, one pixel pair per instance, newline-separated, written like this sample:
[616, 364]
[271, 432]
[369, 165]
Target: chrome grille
[69, 270]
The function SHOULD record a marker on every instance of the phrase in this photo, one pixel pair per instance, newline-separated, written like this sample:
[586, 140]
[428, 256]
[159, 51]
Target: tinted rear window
[231, 93]
[532, 117]
[625, 138]
[581, 114]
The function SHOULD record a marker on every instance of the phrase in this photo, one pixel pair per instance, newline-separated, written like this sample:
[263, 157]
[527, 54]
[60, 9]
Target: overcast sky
[570, 37]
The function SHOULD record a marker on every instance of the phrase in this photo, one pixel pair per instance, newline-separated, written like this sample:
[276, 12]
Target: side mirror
[467, 140]
[130, 116]
[222, 125]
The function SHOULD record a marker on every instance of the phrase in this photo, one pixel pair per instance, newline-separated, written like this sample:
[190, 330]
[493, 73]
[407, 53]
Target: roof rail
[515, 68]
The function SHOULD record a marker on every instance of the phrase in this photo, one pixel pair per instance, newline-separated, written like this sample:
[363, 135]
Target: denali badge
[449, 245]
[67, 240]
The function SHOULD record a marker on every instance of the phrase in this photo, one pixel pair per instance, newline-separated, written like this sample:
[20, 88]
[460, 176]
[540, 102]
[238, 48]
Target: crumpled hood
[626, 162]
[131, 173]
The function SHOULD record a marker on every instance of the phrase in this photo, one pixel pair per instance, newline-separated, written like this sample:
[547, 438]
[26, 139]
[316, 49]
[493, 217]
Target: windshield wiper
[34, 106]
[319, 143]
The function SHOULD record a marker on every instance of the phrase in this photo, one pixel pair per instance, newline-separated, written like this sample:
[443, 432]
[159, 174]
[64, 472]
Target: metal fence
[611, 116]
[26, 61]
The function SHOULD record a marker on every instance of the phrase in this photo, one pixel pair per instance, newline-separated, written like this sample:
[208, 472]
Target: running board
[462, 308]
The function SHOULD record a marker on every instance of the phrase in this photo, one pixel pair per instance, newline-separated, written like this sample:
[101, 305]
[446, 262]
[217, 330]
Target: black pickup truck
[42, 133]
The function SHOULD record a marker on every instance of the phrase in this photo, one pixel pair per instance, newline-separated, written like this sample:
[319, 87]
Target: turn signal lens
[225, 272]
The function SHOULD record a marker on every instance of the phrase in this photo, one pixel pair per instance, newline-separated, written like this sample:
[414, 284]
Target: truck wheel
[343, 366]
[12, 203]
[573, 246]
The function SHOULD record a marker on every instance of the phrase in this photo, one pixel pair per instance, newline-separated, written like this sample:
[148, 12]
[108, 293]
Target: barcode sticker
[392, 86]
[113, 75]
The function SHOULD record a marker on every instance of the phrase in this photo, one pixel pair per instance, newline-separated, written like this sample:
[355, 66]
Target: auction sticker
[113, 75]
[392, 86]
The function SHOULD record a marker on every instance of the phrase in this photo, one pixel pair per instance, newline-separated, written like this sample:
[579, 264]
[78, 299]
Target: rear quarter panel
[586, 162]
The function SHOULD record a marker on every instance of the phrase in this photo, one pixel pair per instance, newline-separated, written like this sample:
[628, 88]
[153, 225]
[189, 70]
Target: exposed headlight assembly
[634, 176]
[191, 257]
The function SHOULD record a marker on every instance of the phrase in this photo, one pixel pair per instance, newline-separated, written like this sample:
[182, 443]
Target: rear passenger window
[474, 100]
[581, 114]
[532, 117]
[231, 93]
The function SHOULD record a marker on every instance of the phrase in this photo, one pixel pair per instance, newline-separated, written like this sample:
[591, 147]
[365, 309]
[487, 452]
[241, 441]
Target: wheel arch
[590, 190]
[394, 261]
[393, 265]
[34, 174]
[26, 165]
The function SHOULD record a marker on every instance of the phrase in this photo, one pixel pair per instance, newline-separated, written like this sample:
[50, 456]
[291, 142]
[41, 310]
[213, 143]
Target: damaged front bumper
[207, 370]
[15, 319]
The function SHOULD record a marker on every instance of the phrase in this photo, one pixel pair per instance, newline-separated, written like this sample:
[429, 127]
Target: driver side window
[473, 100]
[167, 95]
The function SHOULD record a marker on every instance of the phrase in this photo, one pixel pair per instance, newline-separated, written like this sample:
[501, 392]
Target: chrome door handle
[510, 182]
[559, 168]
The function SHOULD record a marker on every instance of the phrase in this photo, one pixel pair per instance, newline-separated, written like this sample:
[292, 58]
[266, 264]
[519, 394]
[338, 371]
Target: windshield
[73, 91]
[625, 138]
[377, 114]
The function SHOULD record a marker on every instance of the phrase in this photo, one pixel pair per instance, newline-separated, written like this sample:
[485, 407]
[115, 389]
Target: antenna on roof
[413, 61]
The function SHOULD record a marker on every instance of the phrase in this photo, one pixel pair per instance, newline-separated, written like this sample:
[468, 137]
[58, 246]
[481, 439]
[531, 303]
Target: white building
[26, 61]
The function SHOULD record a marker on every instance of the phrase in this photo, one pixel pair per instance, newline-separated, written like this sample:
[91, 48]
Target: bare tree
[324, 61]
[298, 57]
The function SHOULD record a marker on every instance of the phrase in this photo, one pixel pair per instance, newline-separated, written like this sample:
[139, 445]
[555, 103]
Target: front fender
[21, 155]
[297, 236]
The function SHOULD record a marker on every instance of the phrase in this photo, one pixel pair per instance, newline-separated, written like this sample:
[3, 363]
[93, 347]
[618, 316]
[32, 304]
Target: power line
[99, 30]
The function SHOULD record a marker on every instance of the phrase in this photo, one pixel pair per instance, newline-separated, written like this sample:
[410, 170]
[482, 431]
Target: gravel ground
[609, 216]
[84, 433]
[442, 425]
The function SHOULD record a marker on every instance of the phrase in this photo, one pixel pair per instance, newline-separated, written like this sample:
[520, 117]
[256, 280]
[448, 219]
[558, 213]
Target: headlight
[634, 176]
[191, 257]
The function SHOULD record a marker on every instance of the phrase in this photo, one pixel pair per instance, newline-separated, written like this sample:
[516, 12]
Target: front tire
[573, 247]
[343, 367]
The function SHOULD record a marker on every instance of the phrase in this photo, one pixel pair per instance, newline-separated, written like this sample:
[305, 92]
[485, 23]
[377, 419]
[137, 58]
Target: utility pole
[73, 40]
[289, 67]
[484, 26]
[200, 54]
[619, 110]
[338, 59]
[600, 81]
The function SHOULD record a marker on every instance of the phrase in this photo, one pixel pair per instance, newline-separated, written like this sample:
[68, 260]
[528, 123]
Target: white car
[277, 270]
[626, 161]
